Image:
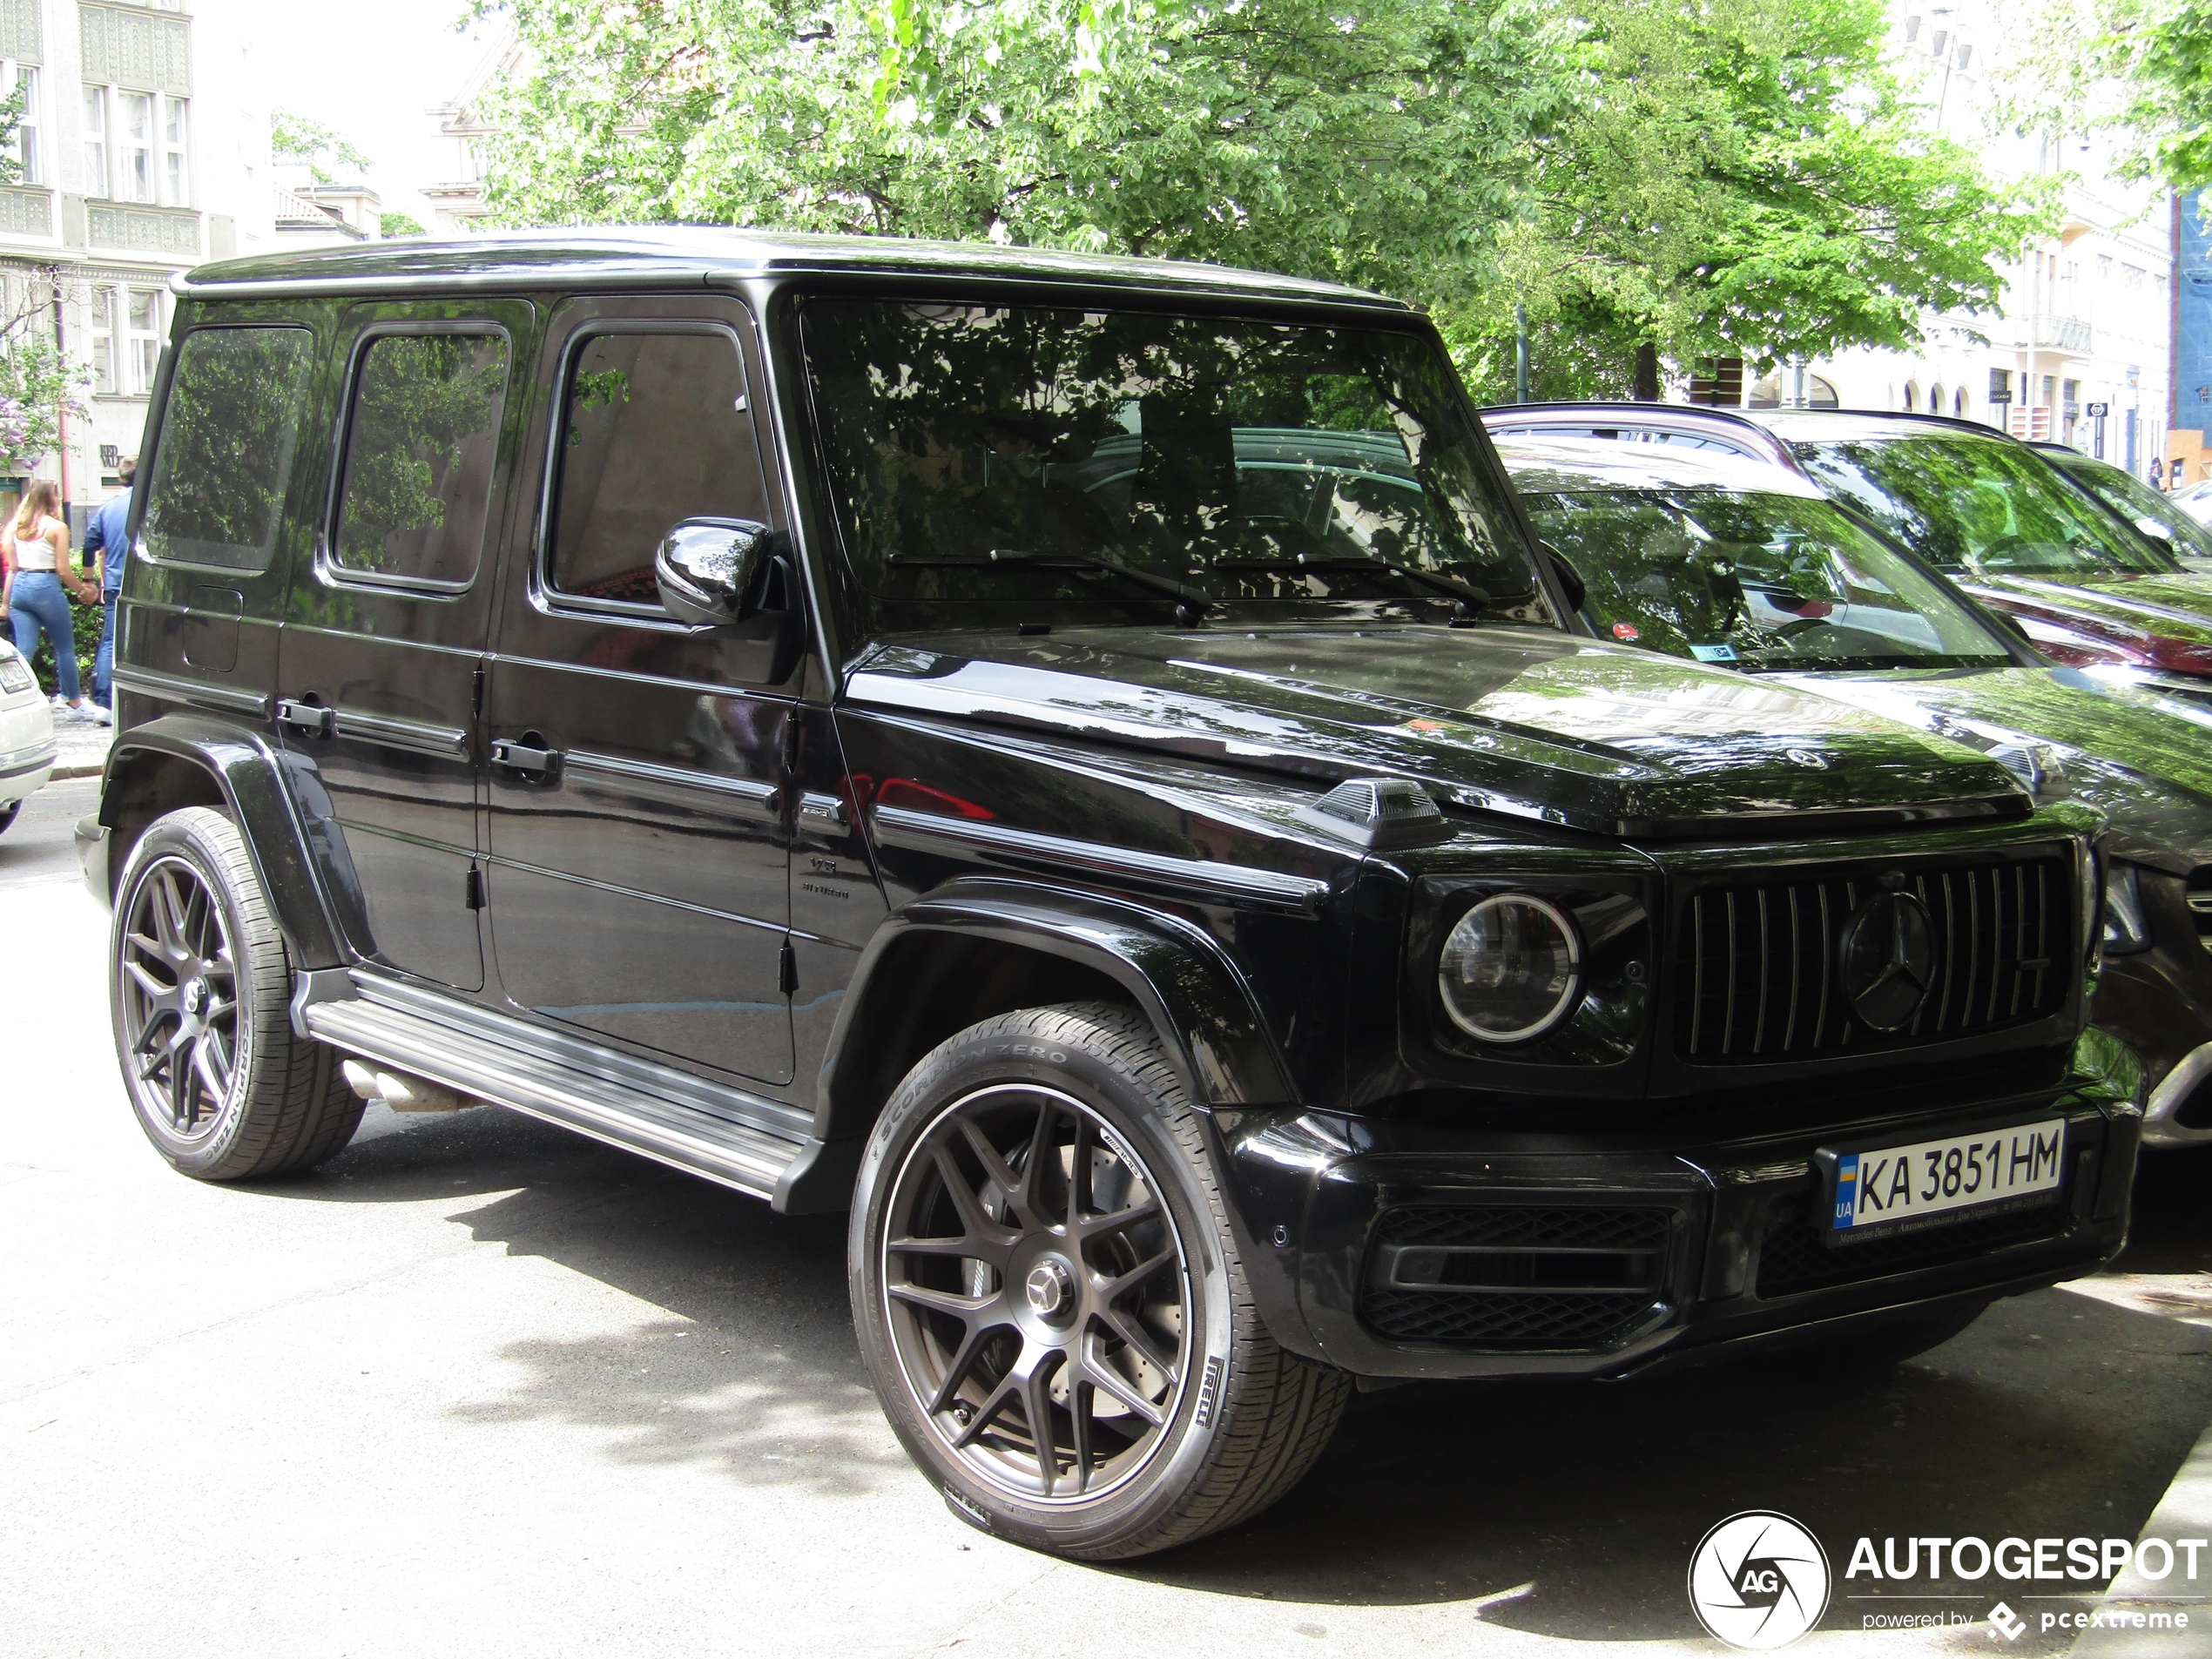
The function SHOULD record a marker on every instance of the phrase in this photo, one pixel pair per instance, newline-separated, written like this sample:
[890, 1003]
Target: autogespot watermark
[1759, 1580]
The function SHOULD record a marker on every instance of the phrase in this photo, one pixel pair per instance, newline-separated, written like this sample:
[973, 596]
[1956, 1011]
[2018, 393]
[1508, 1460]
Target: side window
[227, 439]
[422, 444]
[656, 429]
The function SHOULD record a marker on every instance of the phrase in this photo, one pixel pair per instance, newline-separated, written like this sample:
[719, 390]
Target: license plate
[1899, 1189]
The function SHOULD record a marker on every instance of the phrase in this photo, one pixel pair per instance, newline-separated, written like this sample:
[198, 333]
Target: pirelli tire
[1051, 1301]
[199, 983]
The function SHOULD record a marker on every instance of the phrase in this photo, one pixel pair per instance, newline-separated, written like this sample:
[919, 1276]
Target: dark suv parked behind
[1074, 760]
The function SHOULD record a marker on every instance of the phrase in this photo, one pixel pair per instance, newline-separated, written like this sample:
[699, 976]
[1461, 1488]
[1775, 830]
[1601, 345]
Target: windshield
[1756, 581]
[1979, 506]
[2152, 511]
[995, 454]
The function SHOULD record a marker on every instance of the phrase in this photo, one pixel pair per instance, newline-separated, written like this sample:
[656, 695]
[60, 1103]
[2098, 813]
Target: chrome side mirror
[709, 570]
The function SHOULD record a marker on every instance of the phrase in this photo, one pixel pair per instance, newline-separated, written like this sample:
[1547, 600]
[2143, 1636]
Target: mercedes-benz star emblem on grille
[1811, 758]
[1887, 959]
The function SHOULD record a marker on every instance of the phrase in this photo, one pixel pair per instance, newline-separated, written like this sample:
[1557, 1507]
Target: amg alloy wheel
[176, 995]
[200, 980]
[1052, 1302]
[1038, 1292]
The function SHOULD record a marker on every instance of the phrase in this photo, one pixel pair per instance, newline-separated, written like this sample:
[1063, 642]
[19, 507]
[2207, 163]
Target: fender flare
[1180, 976]
[271, 795]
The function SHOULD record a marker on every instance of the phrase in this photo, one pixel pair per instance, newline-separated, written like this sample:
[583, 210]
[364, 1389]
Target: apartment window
[138, 147]
[145, 318]
[176, 177]
[96, 141]
[134, 146]
[104, 354]
[23, 78]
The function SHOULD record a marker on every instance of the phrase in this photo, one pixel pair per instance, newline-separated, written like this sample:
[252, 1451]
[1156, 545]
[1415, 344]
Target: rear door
[638, 878]
[380, 670]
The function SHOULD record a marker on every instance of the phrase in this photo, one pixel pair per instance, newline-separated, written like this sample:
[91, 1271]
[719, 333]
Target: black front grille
[1793, 1258]
[1757, 961]
[1515, 1276]
[1506, 1226]
[1494, 1319]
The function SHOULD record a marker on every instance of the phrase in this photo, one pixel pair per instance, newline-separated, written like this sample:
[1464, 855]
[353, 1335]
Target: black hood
[1524, 721]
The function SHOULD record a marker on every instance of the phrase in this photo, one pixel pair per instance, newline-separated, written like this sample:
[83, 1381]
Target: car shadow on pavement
[756, 1373]
[1570, 1509]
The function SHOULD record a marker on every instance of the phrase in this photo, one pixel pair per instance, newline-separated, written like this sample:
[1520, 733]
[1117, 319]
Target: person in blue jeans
[38, 585]
[108, 536]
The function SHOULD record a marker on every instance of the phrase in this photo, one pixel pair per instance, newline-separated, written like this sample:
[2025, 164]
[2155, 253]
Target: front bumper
[1691, 1249]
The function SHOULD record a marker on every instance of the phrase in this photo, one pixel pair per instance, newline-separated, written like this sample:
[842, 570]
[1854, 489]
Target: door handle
[308, 719]
[526, 757]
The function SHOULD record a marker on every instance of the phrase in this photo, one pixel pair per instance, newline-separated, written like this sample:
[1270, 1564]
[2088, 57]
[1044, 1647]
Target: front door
[380, 666]
[639, 879]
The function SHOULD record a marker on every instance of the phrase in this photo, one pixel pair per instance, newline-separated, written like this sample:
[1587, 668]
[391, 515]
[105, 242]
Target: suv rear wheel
[1051, 1301]
[221, 1084]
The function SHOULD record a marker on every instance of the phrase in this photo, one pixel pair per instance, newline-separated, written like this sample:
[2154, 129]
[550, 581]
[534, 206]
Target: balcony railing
[164, 231]
[2068, 334]
[25, 210]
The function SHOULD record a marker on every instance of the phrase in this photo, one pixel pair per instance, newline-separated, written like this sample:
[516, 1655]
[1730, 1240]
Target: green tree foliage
[399, 225]
[296, 138]
[2168, 58]
[1748, 178]
[1379, 142]
[1745, 176]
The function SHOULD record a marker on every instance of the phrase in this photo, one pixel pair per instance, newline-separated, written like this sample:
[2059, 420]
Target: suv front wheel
[1052, 1303]
[201, 981]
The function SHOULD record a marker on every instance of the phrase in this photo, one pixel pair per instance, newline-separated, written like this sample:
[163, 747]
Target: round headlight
[1511, 970]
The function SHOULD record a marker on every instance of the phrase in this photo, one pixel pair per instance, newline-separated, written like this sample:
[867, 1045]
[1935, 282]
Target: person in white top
[35, 548]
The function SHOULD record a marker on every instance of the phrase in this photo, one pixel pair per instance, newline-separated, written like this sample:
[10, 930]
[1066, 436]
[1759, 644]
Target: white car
[27, 746]
[2195, 500]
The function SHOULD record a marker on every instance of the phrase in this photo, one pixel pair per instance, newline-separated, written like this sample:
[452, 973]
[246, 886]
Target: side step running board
[474, 1052]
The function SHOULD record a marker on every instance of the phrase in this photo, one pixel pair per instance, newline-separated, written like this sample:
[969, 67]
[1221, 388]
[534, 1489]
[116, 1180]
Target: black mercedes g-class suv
[1078, 762]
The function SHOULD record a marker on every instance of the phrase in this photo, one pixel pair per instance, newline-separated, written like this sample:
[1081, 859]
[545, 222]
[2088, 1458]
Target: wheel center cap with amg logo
[1887, 959]
[1051, 1287]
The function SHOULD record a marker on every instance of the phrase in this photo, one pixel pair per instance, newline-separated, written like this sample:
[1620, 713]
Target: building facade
[144, 150]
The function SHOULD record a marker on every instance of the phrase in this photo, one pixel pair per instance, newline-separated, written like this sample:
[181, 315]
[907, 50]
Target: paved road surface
[479, 1387]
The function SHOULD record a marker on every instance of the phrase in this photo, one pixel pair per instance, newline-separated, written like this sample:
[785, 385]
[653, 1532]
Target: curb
[2185, 1510]
[62, 774]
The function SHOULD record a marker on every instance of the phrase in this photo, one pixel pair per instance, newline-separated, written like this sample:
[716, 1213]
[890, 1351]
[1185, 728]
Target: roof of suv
[1843, 425]
[1729, 427]
[1568, 465]
[621, 256]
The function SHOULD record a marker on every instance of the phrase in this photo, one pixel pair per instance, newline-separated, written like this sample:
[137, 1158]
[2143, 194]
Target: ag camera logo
[1758, 1580]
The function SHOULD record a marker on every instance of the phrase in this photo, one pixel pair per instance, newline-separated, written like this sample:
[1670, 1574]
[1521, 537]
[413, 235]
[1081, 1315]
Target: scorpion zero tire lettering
[1051, 1300]
[198, 983]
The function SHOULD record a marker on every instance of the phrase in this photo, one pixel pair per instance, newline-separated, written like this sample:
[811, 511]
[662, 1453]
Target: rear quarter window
[228, 436]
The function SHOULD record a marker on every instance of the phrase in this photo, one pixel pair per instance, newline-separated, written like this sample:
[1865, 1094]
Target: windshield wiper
[1470, 598]
[1195, 601]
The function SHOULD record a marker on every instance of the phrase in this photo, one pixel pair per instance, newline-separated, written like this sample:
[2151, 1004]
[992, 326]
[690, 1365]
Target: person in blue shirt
[108, 536]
